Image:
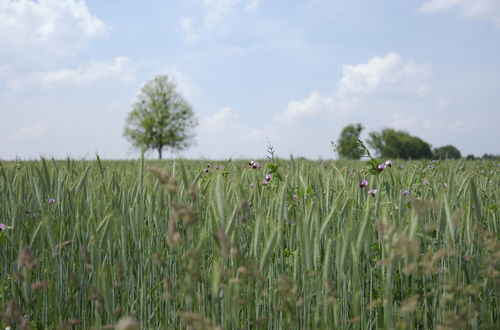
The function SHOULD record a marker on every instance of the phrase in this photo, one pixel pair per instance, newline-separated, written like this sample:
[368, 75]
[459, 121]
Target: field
[174, 244]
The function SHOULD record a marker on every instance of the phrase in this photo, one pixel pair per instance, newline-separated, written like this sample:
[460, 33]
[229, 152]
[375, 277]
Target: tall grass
[175, 247]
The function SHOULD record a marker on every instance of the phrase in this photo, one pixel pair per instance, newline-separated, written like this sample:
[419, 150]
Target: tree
[348, 145]
[447, 152]
[161, 118]
[390, 143]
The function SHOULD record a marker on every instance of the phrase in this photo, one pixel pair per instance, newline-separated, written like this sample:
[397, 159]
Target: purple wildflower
[3, 227]
[445, 185]
[405, 193]
[381, 167]
[294, 196]
[372, 192]
[216, 167]
[363, 183]
[254, 164]
[52, 200]
[388, 163]
[267, 178]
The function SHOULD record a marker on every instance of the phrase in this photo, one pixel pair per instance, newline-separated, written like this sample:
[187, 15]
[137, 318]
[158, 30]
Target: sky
[289, 72]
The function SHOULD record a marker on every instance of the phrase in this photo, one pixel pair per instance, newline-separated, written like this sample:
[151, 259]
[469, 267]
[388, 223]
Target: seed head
[127, 323]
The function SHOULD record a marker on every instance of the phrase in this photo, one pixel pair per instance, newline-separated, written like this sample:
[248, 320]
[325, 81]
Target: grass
[175, 247]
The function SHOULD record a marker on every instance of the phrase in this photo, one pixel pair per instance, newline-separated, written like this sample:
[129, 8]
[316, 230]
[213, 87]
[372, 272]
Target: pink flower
[3, 227]
[254, 164]
[267, 178]
[381, 167]
[363, 183]
[52, 200]
[388, 163]
[405, 193]
[372, 192]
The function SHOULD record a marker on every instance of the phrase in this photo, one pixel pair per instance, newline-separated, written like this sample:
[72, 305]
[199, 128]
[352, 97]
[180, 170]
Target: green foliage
[390, 143]
[347, 146]
[161, 118]
[447, 152]
[164, 245]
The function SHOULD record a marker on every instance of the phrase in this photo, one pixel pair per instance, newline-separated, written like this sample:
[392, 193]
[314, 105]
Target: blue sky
[294, 72]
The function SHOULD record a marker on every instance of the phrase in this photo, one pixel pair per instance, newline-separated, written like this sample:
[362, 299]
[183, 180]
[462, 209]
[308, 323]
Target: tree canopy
[161, 118]
[447, 152]
[390, 143]
[347, 146]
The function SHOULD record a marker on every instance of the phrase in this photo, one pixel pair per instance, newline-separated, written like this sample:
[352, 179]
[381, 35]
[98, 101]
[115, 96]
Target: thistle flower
[3, 227]
[216, 167]
[372, 192]
[381, 167]
[445, 185]
[52, 200]
[294, 196]
[388, 163]
[363, 183]
[405, 193]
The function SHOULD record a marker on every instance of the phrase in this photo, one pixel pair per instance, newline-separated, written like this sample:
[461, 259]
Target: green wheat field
[179, 245]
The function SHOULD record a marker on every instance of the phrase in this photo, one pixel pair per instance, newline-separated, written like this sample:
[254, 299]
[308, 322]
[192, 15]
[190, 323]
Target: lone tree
[390, 143]
[348, 142]
[161, 118]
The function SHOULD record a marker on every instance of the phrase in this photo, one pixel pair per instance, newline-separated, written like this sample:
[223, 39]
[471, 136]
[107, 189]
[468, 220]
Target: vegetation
[447, 152]
[348, 142]
[390, 143]
[161, 118]
[274, 245]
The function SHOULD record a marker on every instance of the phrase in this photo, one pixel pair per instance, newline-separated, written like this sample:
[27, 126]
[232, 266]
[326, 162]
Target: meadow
[176, 244]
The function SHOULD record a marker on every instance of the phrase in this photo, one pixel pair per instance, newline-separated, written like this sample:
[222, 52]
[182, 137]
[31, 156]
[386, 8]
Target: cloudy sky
[291, 71]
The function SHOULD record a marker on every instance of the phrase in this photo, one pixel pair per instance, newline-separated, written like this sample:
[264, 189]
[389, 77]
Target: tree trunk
[159, 152]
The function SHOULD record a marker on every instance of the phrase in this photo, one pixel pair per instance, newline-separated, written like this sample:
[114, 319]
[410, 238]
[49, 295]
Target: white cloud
[219, 121]
[310, 106]
[182, 79]
[121, 68]
[215, 14]
[187, 27]
[391, 73]
[391, 69]
[252, 5]
[46, 29]
[487, 9]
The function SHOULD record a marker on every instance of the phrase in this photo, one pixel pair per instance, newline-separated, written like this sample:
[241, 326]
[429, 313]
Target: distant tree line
[391, 143]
